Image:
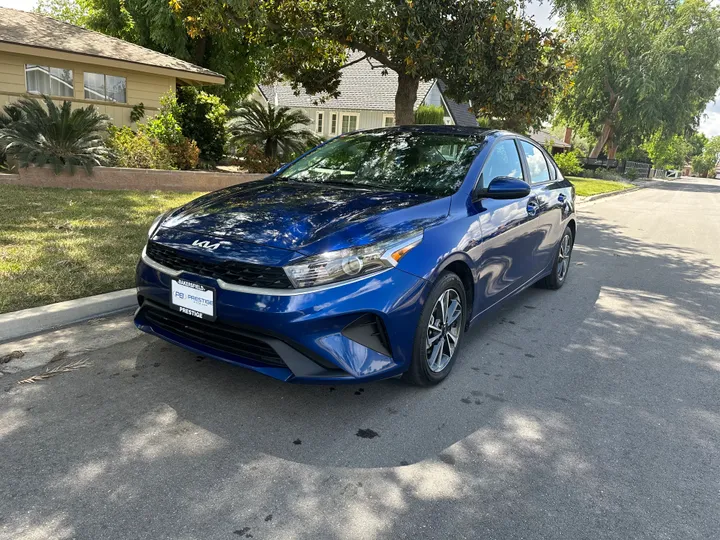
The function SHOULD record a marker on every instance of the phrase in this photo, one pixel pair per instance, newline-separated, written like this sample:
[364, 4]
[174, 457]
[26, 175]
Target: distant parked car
[366, 258]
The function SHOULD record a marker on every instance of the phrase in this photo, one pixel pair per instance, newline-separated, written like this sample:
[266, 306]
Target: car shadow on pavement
[590, 403]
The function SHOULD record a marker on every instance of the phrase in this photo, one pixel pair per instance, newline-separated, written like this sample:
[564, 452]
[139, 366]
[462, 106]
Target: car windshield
[409, 161]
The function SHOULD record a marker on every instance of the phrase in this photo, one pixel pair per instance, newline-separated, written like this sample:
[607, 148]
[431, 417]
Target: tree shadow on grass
[73, 243]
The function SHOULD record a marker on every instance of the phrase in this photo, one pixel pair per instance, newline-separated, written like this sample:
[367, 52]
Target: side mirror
[506, 187]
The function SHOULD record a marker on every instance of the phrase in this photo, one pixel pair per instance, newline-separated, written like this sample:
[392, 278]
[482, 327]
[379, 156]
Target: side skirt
[537, 277]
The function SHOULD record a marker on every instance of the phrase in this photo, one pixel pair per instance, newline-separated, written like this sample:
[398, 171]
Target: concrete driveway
[591, 412]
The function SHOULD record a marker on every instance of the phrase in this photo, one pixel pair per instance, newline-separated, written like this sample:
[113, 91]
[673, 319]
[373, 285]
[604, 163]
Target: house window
[105, 87]
[333, 123]
[319, 119]
[49, 80]
[388, 120]
[349, 122]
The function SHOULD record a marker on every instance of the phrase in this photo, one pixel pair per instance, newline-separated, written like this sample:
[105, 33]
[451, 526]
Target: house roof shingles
[35, 30]
[363, 87]
[543, 137]
[459, 111]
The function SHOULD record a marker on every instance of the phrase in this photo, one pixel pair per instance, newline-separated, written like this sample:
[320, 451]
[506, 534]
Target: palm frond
[39, 132]
[279, 131]
[57, 370]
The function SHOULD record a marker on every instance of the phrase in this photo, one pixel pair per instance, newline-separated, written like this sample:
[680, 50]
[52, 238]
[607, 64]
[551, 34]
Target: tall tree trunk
[612, 149]
[605, 136]
[607, 129]
[405, 99]
[199, 52]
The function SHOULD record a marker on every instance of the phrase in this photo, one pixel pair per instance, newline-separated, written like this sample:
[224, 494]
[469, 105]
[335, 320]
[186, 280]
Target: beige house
[40, 55]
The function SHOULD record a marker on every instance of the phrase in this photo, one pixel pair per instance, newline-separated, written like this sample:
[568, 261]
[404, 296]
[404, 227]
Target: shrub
[631, 174]
[257, 162]
[704, 164]
[138, 150]
[137, 113]
[164, 126]
[47, 134]
[202, 119]
[186, 154]
[602, 174]
[569, 163]
[430, 114]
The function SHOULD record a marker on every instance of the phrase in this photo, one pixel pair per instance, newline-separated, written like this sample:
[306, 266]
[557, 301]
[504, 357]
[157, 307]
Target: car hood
[306, 217]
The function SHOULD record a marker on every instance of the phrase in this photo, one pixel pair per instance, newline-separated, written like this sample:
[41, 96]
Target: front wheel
[439, 332]
[562, 262]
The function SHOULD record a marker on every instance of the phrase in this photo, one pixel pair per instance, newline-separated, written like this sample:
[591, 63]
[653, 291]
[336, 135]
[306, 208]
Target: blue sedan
[368, 257]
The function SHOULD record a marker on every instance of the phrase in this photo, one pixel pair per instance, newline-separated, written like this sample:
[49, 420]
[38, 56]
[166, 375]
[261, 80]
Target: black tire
[420, 372]
[557, 278]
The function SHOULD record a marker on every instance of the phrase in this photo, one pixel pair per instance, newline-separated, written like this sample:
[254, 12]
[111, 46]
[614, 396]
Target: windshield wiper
[351, 185]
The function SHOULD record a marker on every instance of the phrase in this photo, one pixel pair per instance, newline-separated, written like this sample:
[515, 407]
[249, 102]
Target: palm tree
[9, 114]
[278, 131]
[55, 135]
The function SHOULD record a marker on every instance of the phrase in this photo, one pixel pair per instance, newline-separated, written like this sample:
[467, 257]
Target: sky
[709, 124]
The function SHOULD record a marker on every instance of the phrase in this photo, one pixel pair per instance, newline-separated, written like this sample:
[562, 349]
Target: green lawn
[58, 244]
[585, 187]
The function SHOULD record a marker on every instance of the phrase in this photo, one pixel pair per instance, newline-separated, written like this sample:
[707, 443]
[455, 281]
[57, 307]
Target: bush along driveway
[59, 244]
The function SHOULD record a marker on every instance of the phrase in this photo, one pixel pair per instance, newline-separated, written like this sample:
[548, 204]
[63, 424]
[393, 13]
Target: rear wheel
[561, 267]
[439, 332]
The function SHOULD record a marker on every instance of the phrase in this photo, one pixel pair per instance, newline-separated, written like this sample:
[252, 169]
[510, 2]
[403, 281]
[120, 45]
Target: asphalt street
[591, 412]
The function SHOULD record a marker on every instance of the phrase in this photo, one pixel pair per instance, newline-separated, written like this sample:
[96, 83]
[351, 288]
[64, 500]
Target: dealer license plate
[193, 299]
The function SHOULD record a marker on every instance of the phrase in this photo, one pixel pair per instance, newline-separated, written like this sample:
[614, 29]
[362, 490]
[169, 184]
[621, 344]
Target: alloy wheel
[443, 331]
[564, 257]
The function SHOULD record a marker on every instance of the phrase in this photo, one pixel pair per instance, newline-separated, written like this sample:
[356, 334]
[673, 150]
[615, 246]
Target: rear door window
[537, 164]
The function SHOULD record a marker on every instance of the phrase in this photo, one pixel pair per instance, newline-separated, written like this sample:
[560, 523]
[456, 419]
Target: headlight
[338, 266]
[156, 224]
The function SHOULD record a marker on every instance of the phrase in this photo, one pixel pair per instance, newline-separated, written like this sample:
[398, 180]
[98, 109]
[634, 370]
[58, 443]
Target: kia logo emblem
[205, 244]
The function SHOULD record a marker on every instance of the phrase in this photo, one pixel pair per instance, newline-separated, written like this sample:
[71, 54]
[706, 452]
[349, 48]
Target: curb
[17, 324]
[589, 198]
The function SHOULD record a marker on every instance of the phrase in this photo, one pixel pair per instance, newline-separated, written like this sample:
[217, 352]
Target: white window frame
[105, 76]
[320, 122]
[71, 86]
[357, 122]
[385, 117]
[333, 117]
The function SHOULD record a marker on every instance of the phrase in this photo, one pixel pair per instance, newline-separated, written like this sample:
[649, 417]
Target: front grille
[237, 273]
[215, 335]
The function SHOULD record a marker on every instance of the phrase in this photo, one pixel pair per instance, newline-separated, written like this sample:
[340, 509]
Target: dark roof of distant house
[459, 111]
[35, 30]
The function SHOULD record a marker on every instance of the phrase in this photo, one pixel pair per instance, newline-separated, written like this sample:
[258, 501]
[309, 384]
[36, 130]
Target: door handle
[561, 198]
[532, 208]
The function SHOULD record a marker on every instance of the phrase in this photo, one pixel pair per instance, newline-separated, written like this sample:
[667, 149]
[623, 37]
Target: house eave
[58, 54]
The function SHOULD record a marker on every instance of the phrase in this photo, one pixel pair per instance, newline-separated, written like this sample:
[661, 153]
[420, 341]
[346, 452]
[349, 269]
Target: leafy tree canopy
[484, 50]
[156, 25]
[667, 152]
[644, 66]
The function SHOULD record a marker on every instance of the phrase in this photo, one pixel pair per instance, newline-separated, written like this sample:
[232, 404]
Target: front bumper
[357, 331]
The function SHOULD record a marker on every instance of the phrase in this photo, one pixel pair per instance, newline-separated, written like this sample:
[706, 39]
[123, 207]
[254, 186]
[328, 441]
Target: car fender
[432, 256]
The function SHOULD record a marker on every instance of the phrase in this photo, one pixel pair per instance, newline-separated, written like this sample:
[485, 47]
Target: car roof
[442, 129]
